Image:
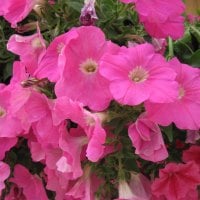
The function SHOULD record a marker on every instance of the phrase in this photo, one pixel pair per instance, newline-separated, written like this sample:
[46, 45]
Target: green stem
[171, 48]
[191, 51]
[195, 30]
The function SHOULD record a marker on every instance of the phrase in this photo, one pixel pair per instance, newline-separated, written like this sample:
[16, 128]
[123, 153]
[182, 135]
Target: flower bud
[88, 13]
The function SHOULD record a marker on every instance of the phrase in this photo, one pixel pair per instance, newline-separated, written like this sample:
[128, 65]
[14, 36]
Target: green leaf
[169, 132]
[75, 5]
[7, 71]
[195, 59]
[130, 164]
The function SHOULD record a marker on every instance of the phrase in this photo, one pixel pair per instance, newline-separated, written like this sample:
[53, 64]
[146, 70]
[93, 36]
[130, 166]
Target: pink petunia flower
[80, 59]
[4, 174]
[10, 125]
[138, 188]
[147, 138]
[192, 154]
[85, 187]
[138, 74]
[15, 11]
[176, 181]
[48, 66]
[6, 144]
[65, 108]
[54, 183]
[185, 110]
[161, 18]
[32, 185]
[29, 48]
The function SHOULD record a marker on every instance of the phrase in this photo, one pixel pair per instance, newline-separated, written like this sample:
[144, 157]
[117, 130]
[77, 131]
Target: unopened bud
[88, 13]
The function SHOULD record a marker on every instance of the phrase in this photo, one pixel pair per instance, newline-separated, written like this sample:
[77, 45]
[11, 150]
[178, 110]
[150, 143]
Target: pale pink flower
[85, 187]
[124, 191]
[147, 138]
[29, 48]
[141, 186]
[138, 74]
[4, 174]
[176, 181]
[32, 185]
[80, 59]
[138, 188]
[185, 110]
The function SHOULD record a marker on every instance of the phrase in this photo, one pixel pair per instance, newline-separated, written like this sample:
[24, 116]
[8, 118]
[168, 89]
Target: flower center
[36, 43]
[89, 66]
[2, 112]
[138, 74]
[181, 92]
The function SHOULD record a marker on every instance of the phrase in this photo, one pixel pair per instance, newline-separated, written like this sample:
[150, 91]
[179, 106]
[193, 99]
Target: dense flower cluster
[60, 102]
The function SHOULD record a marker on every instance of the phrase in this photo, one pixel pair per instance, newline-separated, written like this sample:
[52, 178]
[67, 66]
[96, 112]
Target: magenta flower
[48, 66]
[4, 174]
[176, 181]
[15, 11]
[161, 18]
[96, 135]
[10, 125]
[81, 60]
[147, 138]
[32, 185]
[192, 154]
[29, 48]
[6, 145]
[185, 110]
[138, 74]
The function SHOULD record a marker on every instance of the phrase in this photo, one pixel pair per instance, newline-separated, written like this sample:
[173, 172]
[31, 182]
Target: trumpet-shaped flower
[31, 184]
[176, 181]
[161, 18]
[185, 110]
[4, 174]
[80, 59]
[138, 74]
[29, 48]
[146, 137]
[15, 11]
